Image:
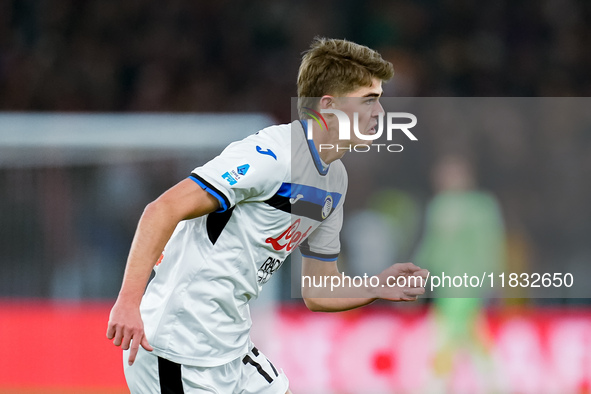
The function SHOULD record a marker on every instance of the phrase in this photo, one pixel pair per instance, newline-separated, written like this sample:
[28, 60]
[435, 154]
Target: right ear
[326, 102]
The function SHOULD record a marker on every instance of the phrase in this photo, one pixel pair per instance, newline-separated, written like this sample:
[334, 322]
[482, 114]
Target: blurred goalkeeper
[216, 237]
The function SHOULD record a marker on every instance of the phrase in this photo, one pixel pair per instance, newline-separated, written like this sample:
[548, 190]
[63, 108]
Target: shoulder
[338, 168]
[250, 169]
[270, 142]
[278, 133]
[278, 137]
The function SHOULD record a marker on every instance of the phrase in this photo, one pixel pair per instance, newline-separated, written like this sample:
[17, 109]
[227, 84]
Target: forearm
[332, 304]
[153, 232]
[186, 200]
[332, 291]
[325, 289]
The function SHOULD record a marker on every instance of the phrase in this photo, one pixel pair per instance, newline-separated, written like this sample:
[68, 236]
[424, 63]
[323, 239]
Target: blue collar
[320, 166]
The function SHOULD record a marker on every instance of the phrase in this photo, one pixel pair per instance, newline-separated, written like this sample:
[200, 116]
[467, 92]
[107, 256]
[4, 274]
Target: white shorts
[252, 373]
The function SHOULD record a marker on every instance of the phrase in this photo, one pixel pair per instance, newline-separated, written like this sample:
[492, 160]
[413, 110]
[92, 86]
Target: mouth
[372, 131]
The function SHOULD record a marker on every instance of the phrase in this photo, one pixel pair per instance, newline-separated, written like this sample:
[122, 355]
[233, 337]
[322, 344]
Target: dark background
[241, 56]
[108, 55]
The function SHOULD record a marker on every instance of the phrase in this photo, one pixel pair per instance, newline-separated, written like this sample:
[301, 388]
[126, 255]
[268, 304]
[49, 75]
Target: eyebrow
[373, 95]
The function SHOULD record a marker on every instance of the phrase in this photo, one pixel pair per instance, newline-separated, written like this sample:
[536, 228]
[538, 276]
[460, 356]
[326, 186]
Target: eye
[370, 100]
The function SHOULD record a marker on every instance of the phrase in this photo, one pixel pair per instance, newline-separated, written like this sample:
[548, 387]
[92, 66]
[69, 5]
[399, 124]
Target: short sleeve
[324, 243]
[249, 170]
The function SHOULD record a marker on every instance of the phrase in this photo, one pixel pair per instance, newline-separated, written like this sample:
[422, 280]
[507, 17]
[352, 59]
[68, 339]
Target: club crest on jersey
[327, 207]
[234, 176]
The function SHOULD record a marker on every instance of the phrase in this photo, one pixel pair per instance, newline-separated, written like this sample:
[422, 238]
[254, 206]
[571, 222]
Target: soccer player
[216, 237]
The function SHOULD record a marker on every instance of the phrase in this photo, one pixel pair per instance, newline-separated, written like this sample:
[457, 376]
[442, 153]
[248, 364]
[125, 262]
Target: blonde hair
[337, 67]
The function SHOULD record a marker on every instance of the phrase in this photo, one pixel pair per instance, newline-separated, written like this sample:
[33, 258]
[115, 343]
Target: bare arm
[186, 200]
[327, 298]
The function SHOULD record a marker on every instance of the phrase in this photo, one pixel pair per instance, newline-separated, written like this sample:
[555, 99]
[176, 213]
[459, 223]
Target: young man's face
[365, 102]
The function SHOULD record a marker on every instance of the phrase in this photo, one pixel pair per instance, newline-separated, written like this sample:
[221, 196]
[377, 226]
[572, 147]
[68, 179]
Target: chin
[359, 141]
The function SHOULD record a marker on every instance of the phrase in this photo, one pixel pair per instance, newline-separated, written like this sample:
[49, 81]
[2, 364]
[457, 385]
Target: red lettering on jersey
[291, 236]
[160, 259]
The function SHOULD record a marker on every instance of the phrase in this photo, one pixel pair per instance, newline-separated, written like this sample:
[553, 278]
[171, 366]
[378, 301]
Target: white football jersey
[275, 194]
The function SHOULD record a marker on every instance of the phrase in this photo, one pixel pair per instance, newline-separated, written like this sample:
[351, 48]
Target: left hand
[402, 282]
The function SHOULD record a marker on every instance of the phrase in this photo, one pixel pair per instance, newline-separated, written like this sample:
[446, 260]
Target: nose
[377, 109]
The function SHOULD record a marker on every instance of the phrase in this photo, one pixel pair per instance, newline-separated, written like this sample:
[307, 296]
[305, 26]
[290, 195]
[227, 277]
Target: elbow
[315, 305]
[312, 305]
[160, 211]
[154, 208]
[160, 206]
[315, 300]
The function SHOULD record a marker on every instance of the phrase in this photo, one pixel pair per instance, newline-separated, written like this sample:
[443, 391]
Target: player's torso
[249, 242]
[214, 265]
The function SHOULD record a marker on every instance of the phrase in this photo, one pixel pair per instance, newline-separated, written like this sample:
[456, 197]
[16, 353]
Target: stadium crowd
[240, 55]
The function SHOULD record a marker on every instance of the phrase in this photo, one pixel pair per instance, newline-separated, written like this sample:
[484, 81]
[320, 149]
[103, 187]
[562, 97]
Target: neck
[329, 154]
[329, 147]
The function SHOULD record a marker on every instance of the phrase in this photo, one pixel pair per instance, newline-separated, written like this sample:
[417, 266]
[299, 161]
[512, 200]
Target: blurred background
[106, 104]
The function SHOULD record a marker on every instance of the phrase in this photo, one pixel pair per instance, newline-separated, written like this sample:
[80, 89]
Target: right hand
[126, 329]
